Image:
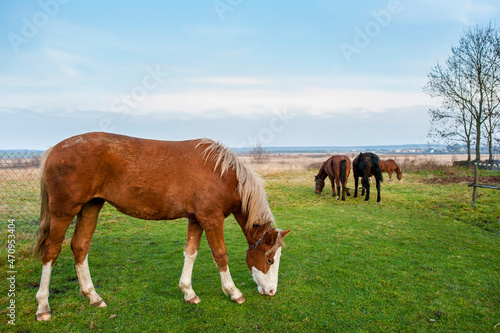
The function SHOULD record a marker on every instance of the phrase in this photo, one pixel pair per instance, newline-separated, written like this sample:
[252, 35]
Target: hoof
[43, 316]
[99, 304]
[194, 300]
[240, 300]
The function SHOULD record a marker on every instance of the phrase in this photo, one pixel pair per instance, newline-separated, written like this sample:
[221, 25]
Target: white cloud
[240, 96]
[15, 81]
[463, 11]
[193, 94]
[247, 81]
[315, 101]
[66, 62]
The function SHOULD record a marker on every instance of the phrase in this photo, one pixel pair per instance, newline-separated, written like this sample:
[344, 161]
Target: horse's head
[399, 173]
[263, 258]
[320, 183]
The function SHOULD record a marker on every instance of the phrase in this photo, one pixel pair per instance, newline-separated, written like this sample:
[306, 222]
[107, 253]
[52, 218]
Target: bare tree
[497, 149]
[468, 85]
[259, 154]
[492, 122]
[454, 126]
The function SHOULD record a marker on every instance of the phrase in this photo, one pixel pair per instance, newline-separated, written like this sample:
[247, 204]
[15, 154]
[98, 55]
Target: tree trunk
[490, 148]
[468, 152]
[478, 144]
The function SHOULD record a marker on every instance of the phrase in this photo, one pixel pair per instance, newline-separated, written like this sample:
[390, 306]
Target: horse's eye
[270, 261]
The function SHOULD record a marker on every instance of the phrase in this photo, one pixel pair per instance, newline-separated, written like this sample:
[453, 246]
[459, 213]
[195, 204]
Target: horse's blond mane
[250, 185]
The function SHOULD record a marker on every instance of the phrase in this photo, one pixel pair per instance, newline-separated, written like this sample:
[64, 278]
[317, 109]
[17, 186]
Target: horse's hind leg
[356, 180]
[337, 183]
[58, 227]
[378, 190]
[80, 244]
[332, 181]
[190, 252]
[366, 185]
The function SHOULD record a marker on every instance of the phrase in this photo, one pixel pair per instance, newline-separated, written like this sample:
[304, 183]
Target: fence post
[474, 187]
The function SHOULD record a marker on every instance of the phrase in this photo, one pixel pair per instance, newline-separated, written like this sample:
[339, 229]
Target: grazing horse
[155, 180]
[390, 166]
[366, 165]
[337, 169]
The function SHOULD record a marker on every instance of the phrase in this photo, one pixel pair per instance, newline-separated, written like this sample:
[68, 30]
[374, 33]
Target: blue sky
[282, 73]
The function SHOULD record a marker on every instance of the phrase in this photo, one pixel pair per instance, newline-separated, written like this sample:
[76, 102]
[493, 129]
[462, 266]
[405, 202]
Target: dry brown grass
[412, 163]
[288, 162]
[408, 163]
[20, 174]
[278, 163]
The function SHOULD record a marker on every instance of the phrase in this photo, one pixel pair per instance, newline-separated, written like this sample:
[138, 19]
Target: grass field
[421, 260]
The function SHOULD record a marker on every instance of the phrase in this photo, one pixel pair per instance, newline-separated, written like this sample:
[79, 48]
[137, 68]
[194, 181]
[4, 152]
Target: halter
[257, 243]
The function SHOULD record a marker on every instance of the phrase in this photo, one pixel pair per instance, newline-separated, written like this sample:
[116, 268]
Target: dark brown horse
[366, 165]
[337, 169]
[154, 180]
[390, 166]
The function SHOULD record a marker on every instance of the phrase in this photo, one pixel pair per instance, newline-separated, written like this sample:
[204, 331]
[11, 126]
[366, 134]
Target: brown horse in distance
[337, 169]
[200, 180]
[390, 166]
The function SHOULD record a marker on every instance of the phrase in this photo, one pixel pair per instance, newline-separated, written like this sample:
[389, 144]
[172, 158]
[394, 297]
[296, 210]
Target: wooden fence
[475, 185]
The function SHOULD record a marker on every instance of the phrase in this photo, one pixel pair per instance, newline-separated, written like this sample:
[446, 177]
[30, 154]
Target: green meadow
[421, 260]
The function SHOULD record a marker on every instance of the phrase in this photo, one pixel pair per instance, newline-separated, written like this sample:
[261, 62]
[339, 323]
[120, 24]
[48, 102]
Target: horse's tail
[44, 226]
[343, 171]
[376, 166]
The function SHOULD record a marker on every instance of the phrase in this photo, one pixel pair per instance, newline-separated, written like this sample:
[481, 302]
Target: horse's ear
[284, 233]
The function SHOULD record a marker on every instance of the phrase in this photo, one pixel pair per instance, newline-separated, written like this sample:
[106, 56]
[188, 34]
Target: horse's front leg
[190, 252]
[215, 238]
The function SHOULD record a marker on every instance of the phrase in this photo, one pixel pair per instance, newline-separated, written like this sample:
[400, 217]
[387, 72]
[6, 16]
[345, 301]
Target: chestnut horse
[366, 165]
[154, 180]
[390, 166]
[337, 169]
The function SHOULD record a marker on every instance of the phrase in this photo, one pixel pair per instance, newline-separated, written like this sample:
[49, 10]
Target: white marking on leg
[86, 285]
[268, 283]
[228, 286]
[185, 281]
[42, 296]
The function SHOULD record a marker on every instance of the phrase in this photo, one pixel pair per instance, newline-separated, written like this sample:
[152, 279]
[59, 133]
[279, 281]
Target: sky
[275, 73]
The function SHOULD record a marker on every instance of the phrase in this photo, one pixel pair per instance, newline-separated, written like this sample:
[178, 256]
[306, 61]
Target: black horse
[366, 165]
